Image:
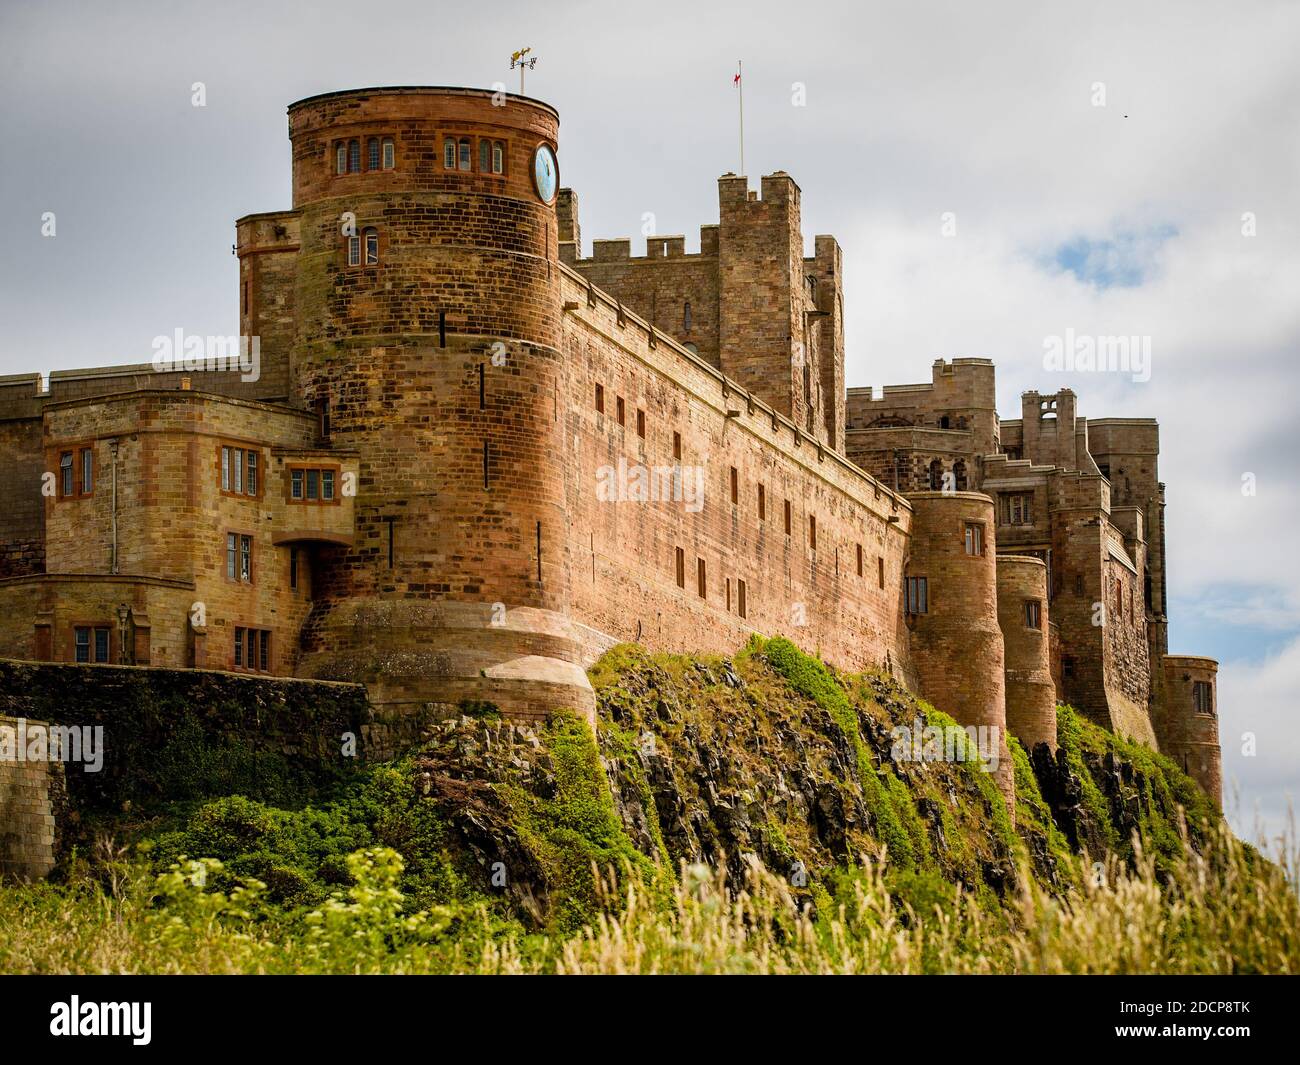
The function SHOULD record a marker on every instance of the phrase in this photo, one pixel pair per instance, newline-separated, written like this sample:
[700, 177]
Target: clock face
[546, 173]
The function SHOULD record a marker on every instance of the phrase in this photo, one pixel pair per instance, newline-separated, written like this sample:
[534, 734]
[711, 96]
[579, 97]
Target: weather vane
[520, 59]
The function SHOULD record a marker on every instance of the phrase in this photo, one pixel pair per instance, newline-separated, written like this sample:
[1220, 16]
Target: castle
[467, 460]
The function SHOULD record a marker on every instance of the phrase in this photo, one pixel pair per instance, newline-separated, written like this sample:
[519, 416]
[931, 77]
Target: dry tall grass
[1225, 910]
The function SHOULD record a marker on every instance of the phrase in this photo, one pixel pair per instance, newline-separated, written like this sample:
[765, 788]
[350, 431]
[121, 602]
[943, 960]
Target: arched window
[464, 153]
[354, 251]
[354, 157]
[372, 154]
[686, 317]
[390, 159]
[449, 154]
[498, 157]
[936, 475]
[959, 475]
[691, 348]
[341, 158]
[372, 246]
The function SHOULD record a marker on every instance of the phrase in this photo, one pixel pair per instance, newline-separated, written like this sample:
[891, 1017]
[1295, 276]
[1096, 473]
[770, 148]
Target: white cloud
[1259, 699]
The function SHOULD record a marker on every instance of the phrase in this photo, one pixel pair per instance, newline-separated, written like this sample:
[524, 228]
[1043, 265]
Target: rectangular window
[640, 423]
[312, 484]
[485, 156]
[788, 518]
[389, 157]
[239, 470]
[762, 503]
[449, 154]
[974, 538]
[81, 645]
[253, 649]
[677, 445]
[372, 154]
[918, 595]
[464, 155]
[341, 158]
[1019, 510]
[293, 567]
[859, 560]
[812, 531]
[621, 410]
[354, 251]
[498, 158]
[246, 558]
[1033, 614]
[701, 580]
[87, 471]
[735, 486]
[880, 571]
[1202, 697]
[323, 418]
[742, 607]
[372, 247]
[66, 487]
[600, 399]
[101, 645]
[728, 585]
[681, 568]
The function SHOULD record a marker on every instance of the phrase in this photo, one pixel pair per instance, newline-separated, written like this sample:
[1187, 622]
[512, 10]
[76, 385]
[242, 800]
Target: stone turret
[428, 333]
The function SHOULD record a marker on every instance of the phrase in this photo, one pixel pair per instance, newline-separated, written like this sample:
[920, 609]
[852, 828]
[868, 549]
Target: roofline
[439, 90]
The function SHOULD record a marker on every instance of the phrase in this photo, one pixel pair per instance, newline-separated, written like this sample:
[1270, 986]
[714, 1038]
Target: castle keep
[471, 459]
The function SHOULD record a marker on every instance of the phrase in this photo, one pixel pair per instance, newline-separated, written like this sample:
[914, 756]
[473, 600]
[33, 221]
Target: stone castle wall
[832, 582]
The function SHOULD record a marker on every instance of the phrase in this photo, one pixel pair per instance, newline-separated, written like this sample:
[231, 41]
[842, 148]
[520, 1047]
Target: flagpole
[740, 84]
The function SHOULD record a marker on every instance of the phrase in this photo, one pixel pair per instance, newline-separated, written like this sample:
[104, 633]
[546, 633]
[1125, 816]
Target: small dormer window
[389, 155]
[449, 154]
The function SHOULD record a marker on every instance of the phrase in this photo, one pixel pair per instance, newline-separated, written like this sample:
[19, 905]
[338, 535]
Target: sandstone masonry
[474, 458]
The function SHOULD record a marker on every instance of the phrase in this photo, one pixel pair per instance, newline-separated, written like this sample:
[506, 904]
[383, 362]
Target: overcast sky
[1123, 219]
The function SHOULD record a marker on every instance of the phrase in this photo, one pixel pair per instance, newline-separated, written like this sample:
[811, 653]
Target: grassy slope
[716, 766]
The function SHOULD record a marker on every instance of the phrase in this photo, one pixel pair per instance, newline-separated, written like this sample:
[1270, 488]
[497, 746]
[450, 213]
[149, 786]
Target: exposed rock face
[709, 760]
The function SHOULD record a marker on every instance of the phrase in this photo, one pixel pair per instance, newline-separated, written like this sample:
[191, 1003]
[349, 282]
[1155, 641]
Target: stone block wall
[1031, 693]
[806, 584]
[30, 795]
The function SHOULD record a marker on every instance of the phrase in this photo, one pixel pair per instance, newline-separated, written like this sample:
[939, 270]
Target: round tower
[1188, 721]
[953, 617]
[1022, 616]
[427, 338]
